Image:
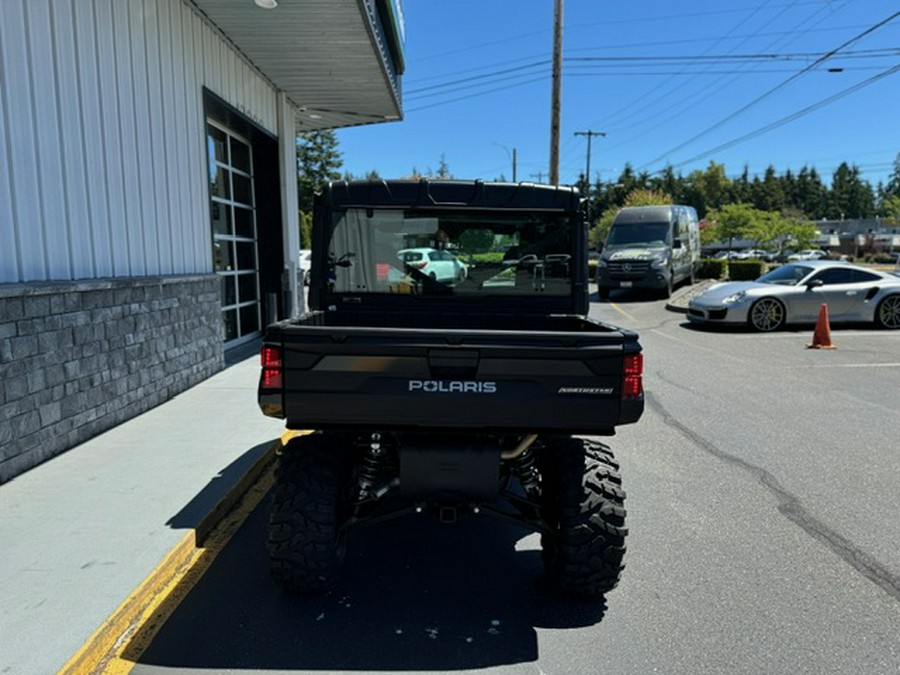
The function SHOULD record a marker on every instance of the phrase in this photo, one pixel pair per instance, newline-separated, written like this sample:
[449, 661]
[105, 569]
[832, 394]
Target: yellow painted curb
[119, 642]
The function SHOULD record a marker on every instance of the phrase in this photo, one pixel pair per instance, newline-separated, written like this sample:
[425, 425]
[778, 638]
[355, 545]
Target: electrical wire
[789, 118]
[822, 59]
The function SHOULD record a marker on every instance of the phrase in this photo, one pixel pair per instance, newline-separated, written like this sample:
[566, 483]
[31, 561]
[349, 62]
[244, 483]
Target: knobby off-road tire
[585, 505]
[310, 504]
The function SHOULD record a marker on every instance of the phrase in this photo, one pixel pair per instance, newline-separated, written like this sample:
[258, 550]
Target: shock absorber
[522, 462]
[370, 467]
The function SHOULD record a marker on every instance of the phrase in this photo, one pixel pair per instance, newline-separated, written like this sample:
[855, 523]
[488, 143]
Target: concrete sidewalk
[80, 532]
[684, 293]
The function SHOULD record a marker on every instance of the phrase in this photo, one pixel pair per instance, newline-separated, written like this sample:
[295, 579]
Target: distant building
[864, 234]
[148, 204]
[848, 237]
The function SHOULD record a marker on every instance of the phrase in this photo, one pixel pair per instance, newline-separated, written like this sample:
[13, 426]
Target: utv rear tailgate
[493, 380]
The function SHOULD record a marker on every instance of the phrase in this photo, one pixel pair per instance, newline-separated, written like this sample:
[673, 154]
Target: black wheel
[311, 502]
[887, 314]
[767, 314]
[584, 504]
[666, 292]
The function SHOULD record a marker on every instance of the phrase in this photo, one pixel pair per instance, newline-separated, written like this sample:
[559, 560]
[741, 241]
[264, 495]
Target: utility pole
[514, 159]
[555, 91]
[587, 174]
[539, 175]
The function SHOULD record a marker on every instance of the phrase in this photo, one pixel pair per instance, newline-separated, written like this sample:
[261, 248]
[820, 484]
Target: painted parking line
[621, 311]
[118, 643]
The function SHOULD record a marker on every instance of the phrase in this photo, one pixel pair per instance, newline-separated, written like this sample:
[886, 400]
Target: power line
[685, 96]
[790, 118]
[771, 91]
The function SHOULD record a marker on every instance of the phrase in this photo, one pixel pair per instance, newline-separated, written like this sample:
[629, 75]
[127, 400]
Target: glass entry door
[233, 216]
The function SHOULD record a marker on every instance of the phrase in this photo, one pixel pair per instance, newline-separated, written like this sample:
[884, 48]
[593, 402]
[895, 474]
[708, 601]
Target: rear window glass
[452, 252]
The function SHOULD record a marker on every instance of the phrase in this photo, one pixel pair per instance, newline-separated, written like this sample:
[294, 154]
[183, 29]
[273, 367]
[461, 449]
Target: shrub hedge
[712, 268]
[745, 270]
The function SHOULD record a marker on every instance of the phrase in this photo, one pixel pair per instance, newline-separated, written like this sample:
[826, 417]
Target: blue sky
[679, 83]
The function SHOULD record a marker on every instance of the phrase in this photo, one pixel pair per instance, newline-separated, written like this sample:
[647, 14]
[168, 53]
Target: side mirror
[677, 243]
[814, 283]
[599, 248]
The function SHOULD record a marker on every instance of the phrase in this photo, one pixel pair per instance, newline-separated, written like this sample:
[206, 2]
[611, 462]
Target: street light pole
[587, 175]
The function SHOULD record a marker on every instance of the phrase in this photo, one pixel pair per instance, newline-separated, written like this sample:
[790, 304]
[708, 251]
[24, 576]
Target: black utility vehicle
[450, 384]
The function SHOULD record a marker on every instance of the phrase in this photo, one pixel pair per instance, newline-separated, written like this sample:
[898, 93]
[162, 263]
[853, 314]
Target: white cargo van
[650, 247]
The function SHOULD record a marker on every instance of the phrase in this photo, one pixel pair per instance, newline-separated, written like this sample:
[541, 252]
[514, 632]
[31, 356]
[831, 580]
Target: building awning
[338, 61]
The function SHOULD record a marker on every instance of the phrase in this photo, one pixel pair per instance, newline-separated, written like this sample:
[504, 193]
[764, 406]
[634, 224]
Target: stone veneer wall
[77, 358]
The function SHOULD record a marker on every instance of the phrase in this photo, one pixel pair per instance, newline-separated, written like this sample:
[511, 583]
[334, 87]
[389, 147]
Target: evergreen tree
[668, 183]
[810, 195]
[851, 196]
[893, 185]
[318, 162]
[740, 188]
[768, 194]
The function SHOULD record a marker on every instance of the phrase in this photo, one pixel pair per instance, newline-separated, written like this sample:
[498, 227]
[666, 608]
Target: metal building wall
[102, 136]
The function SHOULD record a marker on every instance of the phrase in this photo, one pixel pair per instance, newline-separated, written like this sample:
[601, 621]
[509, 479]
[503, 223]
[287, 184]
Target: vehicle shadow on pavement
[219, 495]
[805, 329]
[415, 595]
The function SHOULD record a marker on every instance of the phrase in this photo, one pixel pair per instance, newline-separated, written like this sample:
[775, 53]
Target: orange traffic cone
[822, 334]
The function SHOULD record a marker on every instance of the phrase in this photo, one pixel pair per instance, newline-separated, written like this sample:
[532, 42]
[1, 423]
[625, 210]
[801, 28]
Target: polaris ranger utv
[445, 366]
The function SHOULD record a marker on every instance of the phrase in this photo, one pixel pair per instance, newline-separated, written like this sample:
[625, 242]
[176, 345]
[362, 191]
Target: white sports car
[794, 293]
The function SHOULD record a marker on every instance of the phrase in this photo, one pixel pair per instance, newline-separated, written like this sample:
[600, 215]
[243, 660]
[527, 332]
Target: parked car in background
[808, 254]
[305, 264]
[440, 265]
[750, 254]
[795, 292]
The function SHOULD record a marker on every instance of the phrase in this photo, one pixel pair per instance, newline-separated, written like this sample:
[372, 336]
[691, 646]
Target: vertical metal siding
[75, 182]
[102, 136]
[22, 152]
[9, 246]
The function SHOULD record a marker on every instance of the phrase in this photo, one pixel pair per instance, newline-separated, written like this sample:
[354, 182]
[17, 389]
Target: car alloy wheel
[767, 315]
[888, 313]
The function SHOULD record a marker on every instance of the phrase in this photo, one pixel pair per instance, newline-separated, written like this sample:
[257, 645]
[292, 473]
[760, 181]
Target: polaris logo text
[453, 387]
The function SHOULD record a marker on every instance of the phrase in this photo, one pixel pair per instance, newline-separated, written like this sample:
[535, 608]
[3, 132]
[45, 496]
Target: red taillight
[632, 380]
[271, 368]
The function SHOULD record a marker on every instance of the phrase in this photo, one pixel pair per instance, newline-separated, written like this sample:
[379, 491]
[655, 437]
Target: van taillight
[271, 368]
[633, 373]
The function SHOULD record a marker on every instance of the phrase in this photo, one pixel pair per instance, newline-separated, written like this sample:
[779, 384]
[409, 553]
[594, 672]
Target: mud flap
[449, 470]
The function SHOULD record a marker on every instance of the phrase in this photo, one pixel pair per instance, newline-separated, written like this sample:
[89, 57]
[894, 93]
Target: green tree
[668, 183]
[306, 229]
[476, 241]
[646, 197]
[735, 221]
[740, 188]
[712, 187]
[893, 185]
[851, 196]
[318, 162]
[768, 193]
[810, 194]
[638, 197]
[798, 233]
[890, 208]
